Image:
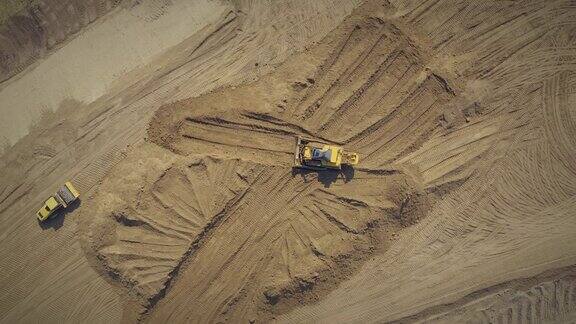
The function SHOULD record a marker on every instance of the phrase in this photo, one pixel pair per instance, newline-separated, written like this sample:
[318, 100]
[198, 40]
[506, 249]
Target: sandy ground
[462, 209]
[85, 139]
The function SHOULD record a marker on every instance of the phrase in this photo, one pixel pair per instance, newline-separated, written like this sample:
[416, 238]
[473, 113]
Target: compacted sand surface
[462, 208]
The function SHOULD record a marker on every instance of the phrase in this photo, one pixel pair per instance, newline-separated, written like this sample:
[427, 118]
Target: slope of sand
[43, 265]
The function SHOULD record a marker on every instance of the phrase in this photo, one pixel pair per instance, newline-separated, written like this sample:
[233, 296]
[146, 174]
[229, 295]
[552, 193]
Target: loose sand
[462, 209]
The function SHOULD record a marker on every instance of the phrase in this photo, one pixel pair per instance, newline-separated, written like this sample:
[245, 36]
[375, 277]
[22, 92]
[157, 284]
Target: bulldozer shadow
[56, 221]
[328, 176]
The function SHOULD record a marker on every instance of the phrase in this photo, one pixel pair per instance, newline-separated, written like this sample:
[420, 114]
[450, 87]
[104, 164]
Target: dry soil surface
[46, 273]
[462, 209]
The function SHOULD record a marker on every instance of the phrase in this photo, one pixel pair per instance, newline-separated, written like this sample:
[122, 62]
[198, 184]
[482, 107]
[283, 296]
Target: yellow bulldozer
[65, 196]
[319, 156]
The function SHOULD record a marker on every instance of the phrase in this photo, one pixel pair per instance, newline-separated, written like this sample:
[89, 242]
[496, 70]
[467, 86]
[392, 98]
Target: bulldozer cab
[321, 156]
[329, 156]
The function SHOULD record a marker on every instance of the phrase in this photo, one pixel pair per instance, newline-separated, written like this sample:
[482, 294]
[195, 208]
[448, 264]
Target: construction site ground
[176, 121]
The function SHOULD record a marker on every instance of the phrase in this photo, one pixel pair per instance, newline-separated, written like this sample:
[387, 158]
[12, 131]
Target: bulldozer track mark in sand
[9, 192]
[352, 101]
[331, 79]
[524, 296]
[255, 127]
[343, 43]
[345, 76]
[91, 174]
[181, 229]
[377, 130]
[202, 236]
[369, 128]
[227, 26]
[372, 108]
[415, 142]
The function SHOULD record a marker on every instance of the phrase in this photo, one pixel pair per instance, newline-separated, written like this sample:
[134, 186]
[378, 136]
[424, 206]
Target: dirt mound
[370, 90]
[283, 237]
[158, 226]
